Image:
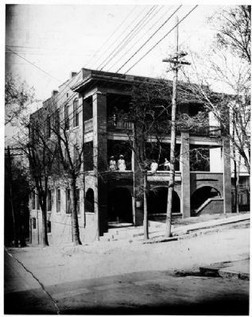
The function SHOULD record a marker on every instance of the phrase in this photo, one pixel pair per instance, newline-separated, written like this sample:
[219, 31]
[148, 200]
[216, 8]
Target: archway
[157, 202]
[201, 195]
[120, 205]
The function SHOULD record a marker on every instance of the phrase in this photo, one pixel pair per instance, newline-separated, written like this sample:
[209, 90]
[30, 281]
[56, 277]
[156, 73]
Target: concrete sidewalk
[181, 230]
[231, 269]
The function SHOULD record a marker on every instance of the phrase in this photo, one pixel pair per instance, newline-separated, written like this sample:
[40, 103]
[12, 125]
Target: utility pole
[176, 60]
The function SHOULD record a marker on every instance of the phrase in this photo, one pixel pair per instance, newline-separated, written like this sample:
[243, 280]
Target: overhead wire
[122, 42]
[74, 95]
[106, 42]
[135, 36]
[147, 41]
[184, 17]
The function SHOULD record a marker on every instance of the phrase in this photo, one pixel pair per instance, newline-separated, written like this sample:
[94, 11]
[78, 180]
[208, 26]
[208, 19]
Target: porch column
[226, 176]
[185, 202]
[100, 160]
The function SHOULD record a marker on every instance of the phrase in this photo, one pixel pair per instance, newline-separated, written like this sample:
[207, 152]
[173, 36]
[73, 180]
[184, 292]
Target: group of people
[119, 165]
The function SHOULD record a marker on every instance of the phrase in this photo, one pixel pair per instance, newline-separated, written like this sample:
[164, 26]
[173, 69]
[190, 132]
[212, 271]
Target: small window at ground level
[68, 201]
[34, 224]
[58, 200]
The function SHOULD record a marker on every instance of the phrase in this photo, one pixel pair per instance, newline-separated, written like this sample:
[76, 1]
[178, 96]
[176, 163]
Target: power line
[110, 37]
[142, 30]
[162, 25]
[162, 38]
[34, 65]
[114, 52]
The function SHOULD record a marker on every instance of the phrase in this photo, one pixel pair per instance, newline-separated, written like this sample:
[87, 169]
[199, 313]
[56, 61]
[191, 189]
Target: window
[58, 200]
[49, 200]
[68, 201]
[88, 156]
[75, 113]
[66, 117]
[49, 226]
[89, 201]
[34, 224]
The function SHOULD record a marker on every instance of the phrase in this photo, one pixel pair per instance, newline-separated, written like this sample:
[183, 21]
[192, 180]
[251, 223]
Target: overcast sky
[46, 42]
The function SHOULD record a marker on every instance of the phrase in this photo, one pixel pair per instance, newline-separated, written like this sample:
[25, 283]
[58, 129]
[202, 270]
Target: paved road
[151, 292]
[23, 294]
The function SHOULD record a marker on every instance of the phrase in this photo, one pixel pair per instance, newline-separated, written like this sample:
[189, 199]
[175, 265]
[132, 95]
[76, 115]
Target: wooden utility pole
[176, 60]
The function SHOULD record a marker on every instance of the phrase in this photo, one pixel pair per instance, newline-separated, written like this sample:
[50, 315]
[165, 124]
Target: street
[129, 278]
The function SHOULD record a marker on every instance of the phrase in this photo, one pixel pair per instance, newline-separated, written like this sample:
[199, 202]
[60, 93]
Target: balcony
[119, 125]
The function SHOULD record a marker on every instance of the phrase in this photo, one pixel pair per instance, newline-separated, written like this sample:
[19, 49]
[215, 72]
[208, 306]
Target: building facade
[88, 104]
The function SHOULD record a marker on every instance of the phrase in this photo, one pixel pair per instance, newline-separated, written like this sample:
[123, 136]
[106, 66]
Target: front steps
[130, 232]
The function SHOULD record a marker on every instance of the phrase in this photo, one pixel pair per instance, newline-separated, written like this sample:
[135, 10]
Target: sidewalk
[234, 269]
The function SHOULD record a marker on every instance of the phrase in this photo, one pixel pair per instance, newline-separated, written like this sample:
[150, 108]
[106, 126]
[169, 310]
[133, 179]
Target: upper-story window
[75, 113]
[66, 116]
[49, 200]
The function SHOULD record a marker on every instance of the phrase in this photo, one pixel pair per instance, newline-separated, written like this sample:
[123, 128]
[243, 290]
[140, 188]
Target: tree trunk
[74, 216]
[145, 220]
[45, 242]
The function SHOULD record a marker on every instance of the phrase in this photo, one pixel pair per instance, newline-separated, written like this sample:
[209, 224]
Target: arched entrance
[157, 202]
[201, 195]
[120, 205]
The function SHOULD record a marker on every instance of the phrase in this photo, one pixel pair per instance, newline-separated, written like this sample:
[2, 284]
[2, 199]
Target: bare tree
[149, 113]
[234, 30]
[70, 161]
[17, 96]
[41, 154]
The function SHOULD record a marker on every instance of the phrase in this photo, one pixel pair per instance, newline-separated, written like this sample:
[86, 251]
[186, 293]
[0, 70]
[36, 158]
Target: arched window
[89, 201]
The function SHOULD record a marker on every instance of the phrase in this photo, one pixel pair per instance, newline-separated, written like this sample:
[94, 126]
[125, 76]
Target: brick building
[86, 102]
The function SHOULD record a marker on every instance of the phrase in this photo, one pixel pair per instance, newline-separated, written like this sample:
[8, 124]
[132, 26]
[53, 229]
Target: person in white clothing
[167, 165]
[154, 166]
[121, 163]
[112, 164]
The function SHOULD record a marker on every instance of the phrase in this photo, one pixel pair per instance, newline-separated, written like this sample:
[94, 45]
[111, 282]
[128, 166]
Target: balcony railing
[120, 125]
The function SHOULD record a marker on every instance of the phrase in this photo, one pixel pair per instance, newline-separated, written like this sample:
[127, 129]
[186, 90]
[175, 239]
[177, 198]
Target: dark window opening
[75, 113]
[66, 116]
[49, 226]
[117, 148]
[88, 156]
[199, 158]
[88, 108]
[58, 200]
[34, 223]
[89, 201]
[117, 109]
[49, 200]
[68, 201]
[48, 127]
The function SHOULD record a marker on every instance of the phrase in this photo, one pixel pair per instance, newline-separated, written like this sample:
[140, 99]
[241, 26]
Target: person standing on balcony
[112, 164]
[154, 167]
[121, 163]
[167, 165]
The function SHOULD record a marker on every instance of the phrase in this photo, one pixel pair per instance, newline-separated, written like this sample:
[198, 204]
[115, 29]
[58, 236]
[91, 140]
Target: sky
[45, 43]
